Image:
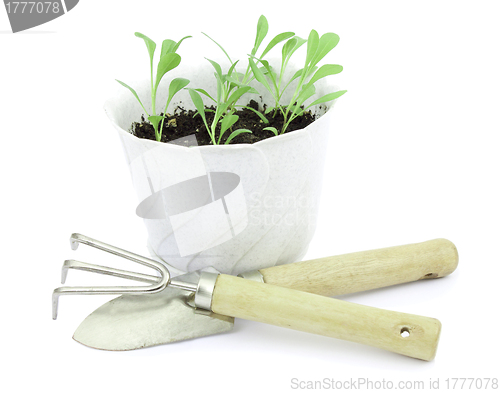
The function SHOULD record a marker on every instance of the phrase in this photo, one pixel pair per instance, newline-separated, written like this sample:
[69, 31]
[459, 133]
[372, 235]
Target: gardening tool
[165, 312]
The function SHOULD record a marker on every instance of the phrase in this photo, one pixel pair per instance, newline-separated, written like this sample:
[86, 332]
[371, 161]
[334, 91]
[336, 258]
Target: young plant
[235, 79]
[317, 49]
[233, 85]
[262, 30]
[169, 60]
[228, 84]
[228, 93]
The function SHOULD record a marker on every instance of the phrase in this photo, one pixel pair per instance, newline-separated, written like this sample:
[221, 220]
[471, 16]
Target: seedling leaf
[296, 75]
[179, 43]
[198, 103]
[273, 129]
[134, 93]
[218, 46]
[269, 71]
[236, 82]
[307, 92]
[236, 133]
[275, 41]
[233, 80]
[217, 67]
[205, 93]
[262, 29]
[150, 44]
[231, 69]
[328, 97]
[312, 45]
[168, 62]
[167, 46]
[262, 117]
[226, 123]
[289, 45]
[300, 42]
[327, 42]
[155, 120]
[325, 70]
[220, 88]
[176, 85]
[259, 75]
[237, 95]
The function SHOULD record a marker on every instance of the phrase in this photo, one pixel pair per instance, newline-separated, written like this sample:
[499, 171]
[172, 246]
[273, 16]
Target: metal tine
[159, 285]
[89, 267]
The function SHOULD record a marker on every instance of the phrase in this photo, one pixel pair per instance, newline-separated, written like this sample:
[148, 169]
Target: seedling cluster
[233, 85]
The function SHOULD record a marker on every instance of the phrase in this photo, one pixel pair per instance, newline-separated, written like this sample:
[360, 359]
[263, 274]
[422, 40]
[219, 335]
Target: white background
[413, 155]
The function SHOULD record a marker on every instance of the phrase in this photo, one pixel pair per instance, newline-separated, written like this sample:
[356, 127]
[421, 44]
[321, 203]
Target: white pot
[272, 209]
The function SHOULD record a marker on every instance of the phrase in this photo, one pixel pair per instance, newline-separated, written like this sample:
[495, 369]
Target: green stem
[288, 84]
[213, 126]
[157, 135]
[287, 123]
[247, 74]
[301, 82]
[163, 120]
[281, 77]
[282, 112]
[153, 92]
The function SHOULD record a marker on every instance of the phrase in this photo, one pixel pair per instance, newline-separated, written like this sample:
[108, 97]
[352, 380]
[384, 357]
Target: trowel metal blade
[139, 321]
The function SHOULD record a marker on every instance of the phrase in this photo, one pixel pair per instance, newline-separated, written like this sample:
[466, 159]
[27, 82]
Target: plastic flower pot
[232, 207]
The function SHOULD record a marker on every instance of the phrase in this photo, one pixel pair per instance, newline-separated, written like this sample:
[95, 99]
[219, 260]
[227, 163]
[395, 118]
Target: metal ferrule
[205, 290]
[253, 275]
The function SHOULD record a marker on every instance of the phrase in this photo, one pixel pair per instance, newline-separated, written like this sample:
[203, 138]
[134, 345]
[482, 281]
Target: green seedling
[225, 100]
[169, 60]
[262, 30]
[235, 79]
[233, 85]
[317, 49]
[228, 84]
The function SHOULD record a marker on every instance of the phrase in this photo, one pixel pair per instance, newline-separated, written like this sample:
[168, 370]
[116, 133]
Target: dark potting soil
[184, 122]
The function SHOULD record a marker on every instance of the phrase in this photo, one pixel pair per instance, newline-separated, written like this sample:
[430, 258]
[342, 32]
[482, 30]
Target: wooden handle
[365, 270]
[237, 297]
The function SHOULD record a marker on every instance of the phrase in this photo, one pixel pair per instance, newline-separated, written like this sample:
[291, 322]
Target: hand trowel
[202, 303]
